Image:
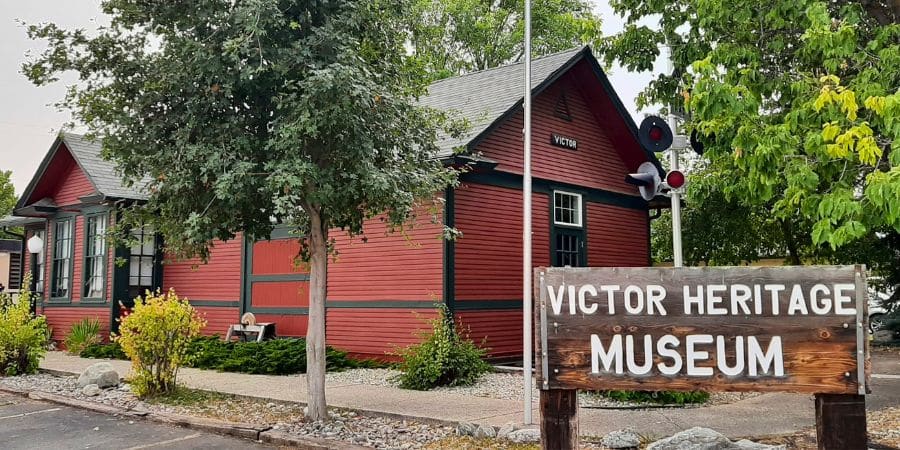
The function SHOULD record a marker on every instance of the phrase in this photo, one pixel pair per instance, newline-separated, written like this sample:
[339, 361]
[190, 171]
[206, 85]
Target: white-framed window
[95, 257]
[39, 262]
[567, 209]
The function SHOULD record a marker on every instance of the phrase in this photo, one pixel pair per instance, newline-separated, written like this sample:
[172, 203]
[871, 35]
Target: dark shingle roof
[102, 173]
[483, 97]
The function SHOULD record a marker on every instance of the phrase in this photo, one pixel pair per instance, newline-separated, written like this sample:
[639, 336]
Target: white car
[877, 314]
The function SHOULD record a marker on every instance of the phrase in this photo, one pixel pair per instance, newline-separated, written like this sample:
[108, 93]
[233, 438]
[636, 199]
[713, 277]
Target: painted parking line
[30, 413]
[170, 441]
[885, 376]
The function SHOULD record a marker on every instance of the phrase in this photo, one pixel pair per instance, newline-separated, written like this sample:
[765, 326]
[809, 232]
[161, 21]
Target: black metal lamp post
[35, 246]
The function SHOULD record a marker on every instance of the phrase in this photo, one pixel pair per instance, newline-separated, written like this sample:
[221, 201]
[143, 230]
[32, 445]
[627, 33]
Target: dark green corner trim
[594, 195]
[282, 311]
[246, 272]
[381, 304]
[216, 303]
[279, 277]
[485, 305]
[449, 269]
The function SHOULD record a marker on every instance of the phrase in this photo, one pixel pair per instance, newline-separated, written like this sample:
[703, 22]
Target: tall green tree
[254, 113]
[797, 103]
[450, 37]
[7, 193]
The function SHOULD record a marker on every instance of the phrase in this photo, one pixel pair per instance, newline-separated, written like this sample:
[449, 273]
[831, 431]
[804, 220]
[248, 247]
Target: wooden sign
[791, 329]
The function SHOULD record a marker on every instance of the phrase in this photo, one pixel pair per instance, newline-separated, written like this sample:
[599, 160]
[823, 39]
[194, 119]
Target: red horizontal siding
[596, 163]
[61, 319]
[285, 325]
[277, 257]
[382, 266]
[617, 237]
[73, 183]
[218, 279]
[294, 294]
[498, 331]
[217, 319]
[489, 253]
[376, 333]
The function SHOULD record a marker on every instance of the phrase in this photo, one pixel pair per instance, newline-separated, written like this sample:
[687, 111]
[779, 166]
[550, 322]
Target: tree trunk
[793, 252]
[315, 331]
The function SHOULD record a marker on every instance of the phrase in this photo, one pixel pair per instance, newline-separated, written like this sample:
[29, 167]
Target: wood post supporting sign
[766, 329]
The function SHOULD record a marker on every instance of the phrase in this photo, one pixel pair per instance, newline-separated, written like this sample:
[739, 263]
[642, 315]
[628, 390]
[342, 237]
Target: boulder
[696, 438]
[466, 429]
[91, 390]
[504, 431]
[102, 374]
[525, 436]
[621, 439]
[485, 431]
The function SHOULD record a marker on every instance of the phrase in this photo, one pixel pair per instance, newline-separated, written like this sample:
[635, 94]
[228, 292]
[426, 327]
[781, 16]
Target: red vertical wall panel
[72, 184]
[218, 279]
[61, 318]
[277, 257]
[217, 319]
[500, 332]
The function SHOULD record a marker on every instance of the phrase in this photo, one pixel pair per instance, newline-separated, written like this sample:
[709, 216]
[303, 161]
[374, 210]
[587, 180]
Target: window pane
[134, 266]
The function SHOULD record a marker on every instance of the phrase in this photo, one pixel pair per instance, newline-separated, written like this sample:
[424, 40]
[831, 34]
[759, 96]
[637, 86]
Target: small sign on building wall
[794, 329]
[559, 140]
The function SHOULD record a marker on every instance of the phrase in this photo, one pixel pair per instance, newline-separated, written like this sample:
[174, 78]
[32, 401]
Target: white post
[673, 165]
[526, 227]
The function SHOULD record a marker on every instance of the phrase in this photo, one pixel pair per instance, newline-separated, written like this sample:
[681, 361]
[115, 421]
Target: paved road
[885, 379]
[30, 424]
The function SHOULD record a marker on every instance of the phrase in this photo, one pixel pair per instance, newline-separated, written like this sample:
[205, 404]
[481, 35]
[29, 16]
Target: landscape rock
[102, 374]
[621, 439]
[485, 431]
[91, 390]
[525, 436]
[697, 438]
[466, 429]
[504, 431]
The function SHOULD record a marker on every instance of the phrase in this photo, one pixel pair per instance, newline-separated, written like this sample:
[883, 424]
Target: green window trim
[95, 257]
[57, 263]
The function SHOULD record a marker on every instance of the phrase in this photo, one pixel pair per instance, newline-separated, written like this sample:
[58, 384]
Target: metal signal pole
[678, 260]
[527, 340]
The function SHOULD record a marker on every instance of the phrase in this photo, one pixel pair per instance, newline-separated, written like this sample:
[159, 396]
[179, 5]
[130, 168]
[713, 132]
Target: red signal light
[675, 179]
[656, 134]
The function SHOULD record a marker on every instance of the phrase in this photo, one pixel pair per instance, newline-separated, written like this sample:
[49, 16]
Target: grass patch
[657, 397]
[188, 397]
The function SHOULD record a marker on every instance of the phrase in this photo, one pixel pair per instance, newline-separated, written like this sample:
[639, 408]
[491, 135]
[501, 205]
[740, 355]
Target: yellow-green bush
[155, 336]
[23, 338]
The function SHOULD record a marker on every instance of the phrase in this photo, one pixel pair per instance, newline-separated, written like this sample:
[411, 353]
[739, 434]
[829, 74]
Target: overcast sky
[29, 122]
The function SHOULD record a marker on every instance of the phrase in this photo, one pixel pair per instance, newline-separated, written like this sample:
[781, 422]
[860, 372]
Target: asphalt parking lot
[30, 424]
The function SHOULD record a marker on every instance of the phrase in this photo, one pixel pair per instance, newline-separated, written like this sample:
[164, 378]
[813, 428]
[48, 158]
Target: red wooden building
[381, 288]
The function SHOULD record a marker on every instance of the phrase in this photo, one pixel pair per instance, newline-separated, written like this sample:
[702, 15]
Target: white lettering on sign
[563, 141]
[700, 300]
[750, 356]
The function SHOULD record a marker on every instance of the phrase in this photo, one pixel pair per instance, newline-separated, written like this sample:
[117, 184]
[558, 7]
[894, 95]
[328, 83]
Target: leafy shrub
[445, 357]
[104, 351]
[84, 333]
[156, 336]
[661, 397]
[274, 357]
[23, 337]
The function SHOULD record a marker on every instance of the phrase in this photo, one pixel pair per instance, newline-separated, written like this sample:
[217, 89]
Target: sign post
[766, 329]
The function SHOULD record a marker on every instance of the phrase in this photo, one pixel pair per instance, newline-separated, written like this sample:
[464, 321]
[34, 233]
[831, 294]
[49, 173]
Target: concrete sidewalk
[763, 415]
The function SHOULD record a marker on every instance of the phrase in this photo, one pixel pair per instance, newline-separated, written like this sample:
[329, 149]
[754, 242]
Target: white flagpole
[527, 351]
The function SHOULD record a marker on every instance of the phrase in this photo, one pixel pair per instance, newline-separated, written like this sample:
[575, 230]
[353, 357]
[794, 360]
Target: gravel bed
[508, 386]
[347, 426]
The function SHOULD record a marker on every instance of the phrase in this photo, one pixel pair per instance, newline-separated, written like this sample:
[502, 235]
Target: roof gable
[74, 152]
[487, 98]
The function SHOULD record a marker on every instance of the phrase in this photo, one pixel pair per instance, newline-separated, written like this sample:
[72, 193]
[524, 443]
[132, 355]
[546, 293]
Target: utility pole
[677, 257]
[527, 340]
